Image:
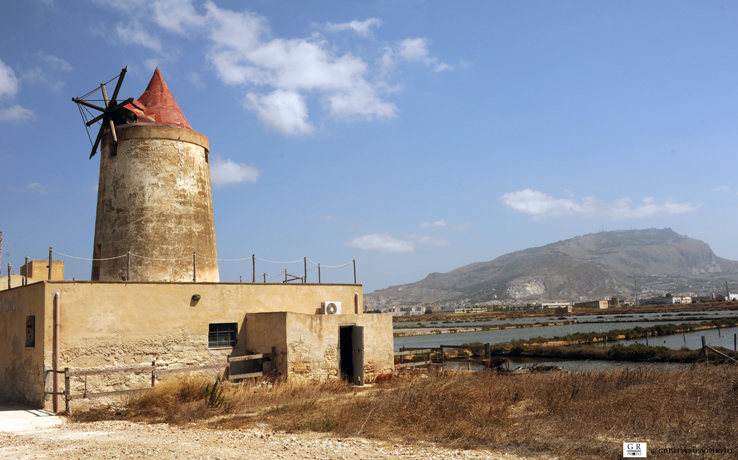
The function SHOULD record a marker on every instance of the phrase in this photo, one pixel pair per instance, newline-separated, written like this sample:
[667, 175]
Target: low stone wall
[168, 352]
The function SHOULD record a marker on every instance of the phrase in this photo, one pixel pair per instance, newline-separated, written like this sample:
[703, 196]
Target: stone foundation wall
[167, 352]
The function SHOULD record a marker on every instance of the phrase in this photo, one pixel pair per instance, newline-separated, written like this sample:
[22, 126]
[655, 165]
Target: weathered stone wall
[313, 344]
[21, 367]
[113, 324]
[154, 200]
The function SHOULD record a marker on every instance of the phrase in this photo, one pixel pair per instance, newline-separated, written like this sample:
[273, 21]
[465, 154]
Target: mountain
[593, 266]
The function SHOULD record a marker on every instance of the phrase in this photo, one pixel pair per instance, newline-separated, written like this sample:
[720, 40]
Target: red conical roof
[160, 104]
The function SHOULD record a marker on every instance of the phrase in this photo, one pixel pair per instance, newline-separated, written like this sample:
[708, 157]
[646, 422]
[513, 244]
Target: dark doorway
[351, 353]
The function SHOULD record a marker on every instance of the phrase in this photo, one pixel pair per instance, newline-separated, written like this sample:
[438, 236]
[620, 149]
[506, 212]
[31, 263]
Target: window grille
[222, 335]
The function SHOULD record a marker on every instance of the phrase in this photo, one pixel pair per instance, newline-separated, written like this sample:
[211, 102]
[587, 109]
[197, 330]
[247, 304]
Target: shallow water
[507, 335]
[604, 318]
[571, 365]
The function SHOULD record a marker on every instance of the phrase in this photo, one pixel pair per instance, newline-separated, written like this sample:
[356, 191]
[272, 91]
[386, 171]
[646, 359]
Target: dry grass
[575, 415]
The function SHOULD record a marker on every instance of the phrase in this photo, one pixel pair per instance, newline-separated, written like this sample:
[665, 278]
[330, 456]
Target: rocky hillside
[592, 266]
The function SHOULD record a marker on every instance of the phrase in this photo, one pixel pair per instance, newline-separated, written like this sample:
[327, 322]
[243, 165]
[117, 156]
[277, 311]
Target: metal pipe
[305, 269]
[9, 267]
[194, 267]
[51, 259]
[318, 273]
[253, 268]
[55, 349]
[25, 273]
[354, 271]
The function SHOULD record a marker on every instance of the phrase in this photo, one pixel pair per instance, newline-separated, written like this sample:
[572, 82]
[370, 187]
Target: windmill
[113, 112]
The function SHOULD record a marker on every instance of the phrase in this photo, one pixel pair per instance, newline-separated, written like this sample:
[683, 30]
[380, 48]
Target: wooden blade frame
[111, 106]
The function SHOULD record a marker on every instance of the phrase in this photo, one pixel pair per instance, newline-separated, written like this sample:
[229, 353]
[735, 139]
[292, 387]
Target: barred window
[222, 335]
[30, 331]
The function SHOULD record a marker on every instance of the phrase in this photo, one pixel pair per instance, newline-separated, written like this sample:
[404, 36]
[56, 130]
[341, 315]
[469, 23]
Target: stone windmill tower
[154, 197]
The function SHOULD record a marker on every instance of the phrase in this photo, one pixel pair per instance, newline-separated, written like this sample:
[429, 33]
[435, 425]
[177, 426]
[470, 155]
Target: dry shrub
[587, 415]
[574, 415]
[176, 400]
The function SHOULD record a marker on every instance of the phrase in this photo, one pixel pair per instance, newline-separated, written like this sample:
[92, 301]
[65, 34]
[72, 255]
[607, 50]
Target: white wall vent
[331, 308]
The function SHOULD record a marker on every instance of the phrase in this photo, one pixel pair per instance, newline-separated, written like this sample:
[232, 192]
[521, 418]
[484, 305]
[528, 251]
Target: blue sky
[412, 136]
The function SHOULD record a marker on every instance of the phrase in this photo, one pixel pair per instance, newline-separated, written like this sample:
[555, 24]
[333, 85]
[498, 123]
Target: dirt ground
[120, 439]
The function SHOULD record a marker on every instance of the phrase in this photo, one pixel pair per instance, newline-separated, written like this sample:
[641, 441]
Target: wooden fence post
[67, 391]
[704, 347]
[274, 361]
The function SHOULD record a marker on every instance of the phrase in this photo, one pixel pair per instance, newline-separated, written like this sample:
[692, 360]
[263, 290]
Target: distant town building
[556, 304]
[596, 304]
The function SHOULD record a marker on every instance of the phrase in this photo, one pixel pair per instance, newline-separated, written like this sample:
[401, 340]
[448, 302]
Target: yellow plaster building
[159, 310]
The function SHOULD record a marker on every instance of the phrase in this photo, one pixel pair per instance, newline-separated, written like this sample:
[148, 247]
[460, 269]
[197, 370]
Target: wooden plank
[232, 359]
[177, 370]
[419, 363]
[419, 351]
[117, 370]
[105, 394]
[721, 354]
[92, 106]
[246, 376]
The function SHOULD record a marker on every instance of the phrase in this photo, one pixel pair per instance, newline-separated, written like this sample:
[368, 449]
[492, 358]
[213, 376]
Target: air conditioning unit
[331, 308]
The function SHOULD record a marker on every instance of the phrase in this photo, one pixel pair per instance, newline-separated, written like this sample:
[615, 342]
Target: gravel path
[120, 439]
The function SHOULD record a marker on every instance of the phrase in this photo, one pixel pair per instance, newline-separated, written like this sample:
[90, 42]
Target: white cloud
[176, 15]
[284, 111]
[47, 73]
[622, 208]
[225, 172]
[54, 63]
[34, 187]
[362, 28]
[413, 50]
[722, 188]
[16, 113]
[541, 205]
[381, 242]
[462, 227]
[8, 80]
[434, 225]
[133, 32]
[281, 76]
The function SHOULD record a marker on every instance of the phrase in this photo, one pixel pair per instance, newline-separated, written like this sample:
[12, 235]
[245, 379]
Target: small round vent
[331, 308]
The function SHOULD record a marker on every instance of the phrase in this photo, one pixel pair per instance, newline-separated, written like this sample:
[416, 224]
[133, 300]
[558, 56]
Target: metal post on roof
[354, 271]
[25, 273]
[253, 268]
[318, 273]
[9, 267]
[305, 268]
[51, 257]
